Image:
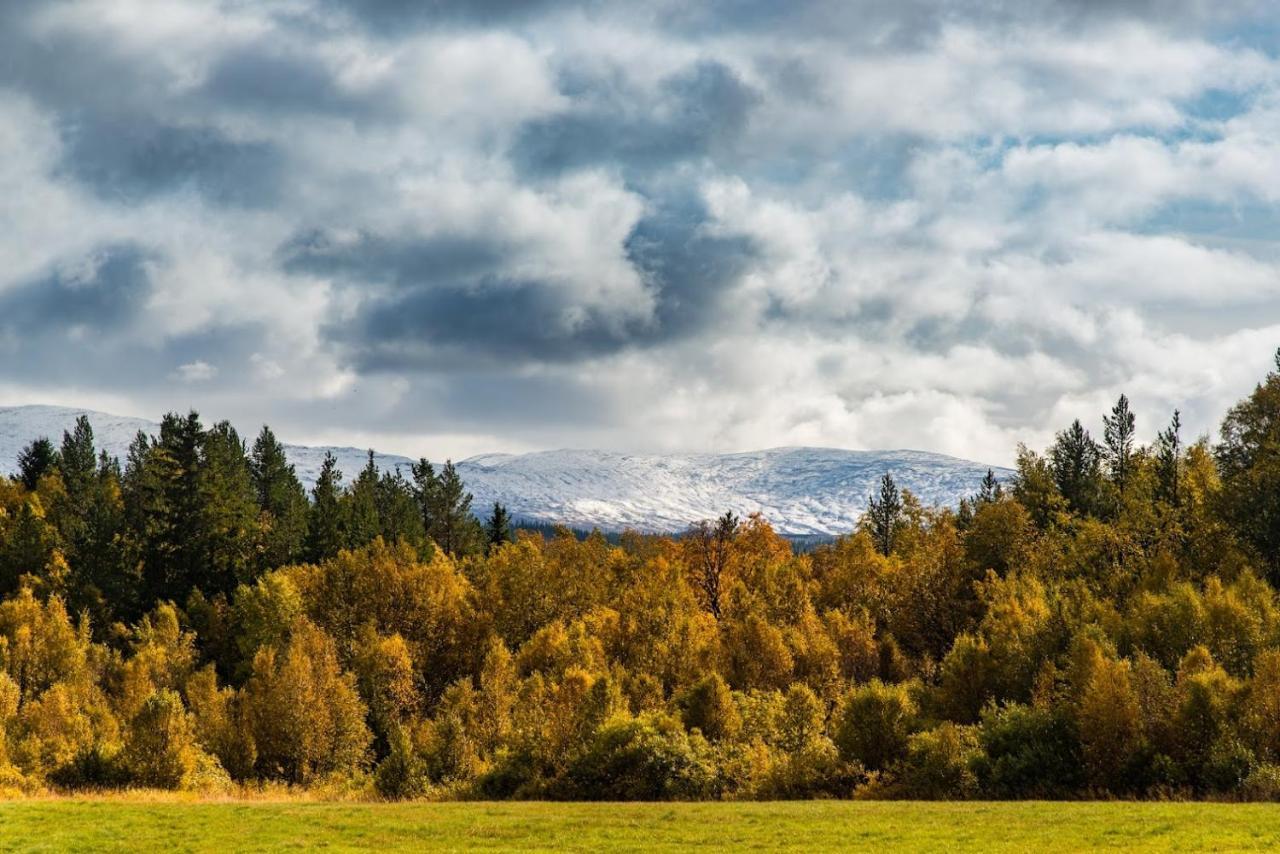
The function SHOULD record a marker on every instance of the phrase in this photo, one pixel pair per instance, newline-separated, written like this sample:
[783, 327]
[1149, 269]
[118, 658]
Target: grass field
[134, 825]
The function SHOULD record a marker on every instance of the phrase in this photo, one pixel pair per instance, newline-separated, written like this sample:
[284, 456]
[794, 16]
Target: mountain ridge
[802, 491]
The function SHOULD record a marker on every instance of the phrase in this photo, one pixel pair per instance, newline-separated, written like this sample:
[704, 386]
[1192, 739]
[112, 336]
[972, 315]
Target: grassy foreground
[123, 824]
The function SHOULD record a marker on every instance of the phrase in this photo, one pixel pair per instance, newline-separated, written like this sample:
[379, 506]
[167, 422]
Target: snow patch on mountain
[801, 491]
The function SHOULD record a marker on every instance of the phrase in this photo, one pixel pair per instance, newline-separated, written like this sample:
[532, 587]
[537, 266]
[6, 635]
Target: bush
[402, 774]
[1028, 753]
[1262, 784]
[708, 707]
[874, 724]
[939, 764]
[647, 758]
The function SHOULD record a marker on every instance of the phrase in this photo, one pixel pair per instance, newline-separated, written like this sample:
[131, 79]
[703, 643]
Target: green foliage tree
[1118, 437]
[282, 503]
[35, 461]
[498, 529]
[884, 515]
[1077, 468]
[327, 524]
[306, 716]
[1248, 456]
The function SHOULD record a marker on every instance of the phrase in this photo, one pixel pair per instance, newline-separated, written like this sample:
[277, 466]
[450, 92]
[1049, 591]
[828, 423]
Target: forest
[1104, 624]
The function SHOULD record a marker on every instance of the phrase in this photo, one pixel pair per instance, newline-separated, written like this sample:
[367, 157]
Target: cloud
[444, 227]
[197, 371]
[126, 159]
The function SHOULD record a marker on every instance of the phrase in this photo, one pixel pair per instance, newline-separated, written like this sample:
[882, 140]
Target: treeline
[1104, 624]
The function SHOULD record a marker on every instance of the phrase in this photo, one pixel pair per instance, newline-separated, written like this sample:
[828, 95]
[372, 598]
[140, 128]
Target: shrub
[939, 764]
[1028, 753]
[646, 758]
[874, 724]
[708, 706]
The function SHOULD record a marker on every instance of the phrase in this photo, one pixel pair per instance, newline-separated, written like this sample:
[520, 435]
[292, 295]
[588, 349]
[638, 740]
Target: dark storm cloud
[449, 302]
[259, 77]
[101, 292]
[129, 158]
[700, 109]
[405, 260]
[389, 16]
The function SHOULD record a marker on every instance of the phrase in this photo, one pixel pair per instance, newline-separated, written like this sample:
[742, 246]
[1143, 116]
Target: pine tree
[398, 516]
[78, 459]
[454, 528]
[990, 491]
[35, 461]
[363, 523]
[1077, 467]
[281, 501]
[498, 529]
[326, 529]
[1118, 434]
[426, 488]
[884, 513]
[1169, 461]
[163, 512]
[229, 514]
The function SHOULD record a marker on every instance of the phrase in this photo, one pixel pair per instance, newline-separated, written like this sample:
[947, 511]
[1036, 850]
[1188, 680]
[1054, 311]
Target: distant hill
[803, 492]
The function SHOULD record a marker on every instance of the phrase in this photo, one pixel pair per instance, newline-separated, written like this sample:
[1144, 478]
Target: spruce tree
[363, 523]
[326, 529]
[1169, 461]
[990, 491]
[398, 515]
[498, 529]
[1077, 467]
[35, 461]
[884, 513]
[78, 459]
[1118, 432]
[454, 528]
[229, 514]
[281, 501]
[426, 489]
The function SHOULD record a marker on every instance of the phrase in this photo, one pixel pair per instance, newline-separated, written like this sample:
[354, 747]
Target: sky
[446, 228]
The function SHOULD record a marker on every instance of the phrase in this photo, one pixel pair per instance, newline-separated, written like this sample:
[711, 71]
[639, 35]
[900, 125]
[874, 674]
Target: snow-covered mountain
[801, 491]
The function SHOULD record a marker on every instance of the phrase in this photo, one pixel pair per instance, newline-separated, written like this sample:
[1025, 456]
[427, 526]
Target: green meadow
[128, 824]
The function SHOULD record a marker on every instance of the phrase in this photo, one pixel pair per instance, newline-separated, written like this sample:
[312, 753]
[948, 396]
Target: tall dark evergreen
[884, 513]
[1169, 462]
[35, 461]
[990, 491]
[454, 528]
[326, 528]
[229, 513]
[498, 529]
[1077, 467]
[398, 515]
[78, 459]
[1118, 435]
[282, 502]
[166, 516]
[426, 489]
[363, 523]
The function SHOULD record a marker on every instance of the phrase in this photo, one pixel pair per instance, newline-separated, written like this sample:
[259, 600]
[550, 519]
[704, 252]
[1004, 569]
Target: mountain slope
[802, 491]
